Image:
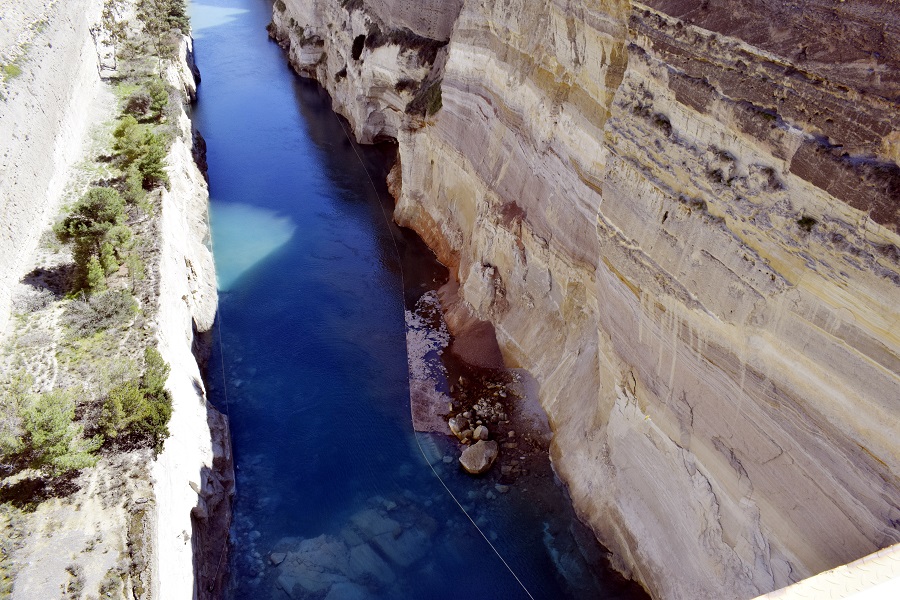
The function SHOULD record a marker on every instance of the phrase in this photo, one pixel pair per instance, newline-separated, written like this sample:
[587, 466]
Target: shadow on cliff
[211, 517]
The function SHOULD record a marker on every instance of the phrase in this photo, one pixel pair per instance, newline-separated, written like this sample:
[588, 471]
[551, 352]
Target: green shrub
[97, 219]
[95, 279]
[427, 102]
[128, 140]
[141, 408]
[120, 237]
[161, 19]
[11, 70]
[159, 97]
[108, 259]
[122, 407]
[152, 164]
[134, 185]
[140, 152]
[135, 267]
[56, 443]
[156, 372]
[93, 216]
[13, 400]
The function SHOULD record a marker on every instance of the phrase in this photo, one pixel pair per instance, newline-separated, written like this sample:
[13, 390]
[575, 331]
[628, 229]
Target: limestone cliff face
[373, 61]
[193, 475]
[683, 220]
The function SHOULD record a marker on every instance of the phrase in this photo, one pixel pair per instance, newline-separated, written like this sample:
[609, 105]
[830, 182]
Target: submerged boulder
[479, 457]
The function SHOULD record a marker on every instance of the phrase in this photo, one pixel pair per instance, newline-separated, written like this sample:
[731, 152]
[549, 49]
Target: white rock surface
[192, 475]
[44, 116]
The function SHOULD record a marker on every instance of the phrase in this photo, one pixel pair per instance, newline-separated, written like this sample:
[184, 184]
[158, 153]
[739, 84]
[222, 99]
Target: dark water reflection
[331, 484]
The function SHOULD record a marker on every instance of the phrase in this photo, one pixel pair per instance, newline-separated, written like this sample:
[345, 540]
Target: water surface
[334, 495]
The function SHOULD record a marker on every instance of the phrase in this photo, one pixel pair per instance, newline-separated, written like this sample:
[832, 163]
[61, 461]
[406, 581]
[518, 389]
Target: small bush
[95, 279]
[11, 70]
[128, 138]
[13, 399]
[134, 185]
[138, 104]
[101, 312]
[136, 270]
[427, 102]
[108, 259]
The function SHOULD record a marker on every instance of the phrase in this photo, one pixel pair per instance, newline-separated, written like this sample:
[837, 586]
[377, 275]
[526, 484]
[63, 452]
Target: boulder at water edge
[479, 457]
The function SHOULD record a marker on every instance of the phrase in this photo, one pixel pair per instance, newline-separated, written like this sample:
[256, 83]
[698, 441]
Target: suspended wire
[434, 471]
[437, 475]
[219, 327]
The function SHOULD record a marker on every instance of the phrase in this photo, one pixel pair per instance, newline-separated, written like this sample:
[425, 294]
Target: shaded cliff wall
[682, 219]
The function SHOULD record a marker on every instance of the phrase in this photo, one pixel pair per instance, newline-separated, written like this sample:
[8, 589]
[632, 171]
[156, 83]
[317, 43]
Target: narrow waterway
[334, 497]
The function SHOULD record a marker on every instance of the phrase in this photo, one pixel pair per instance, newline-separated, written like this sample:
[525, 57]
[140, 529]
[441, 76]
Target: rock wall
[432, 19]
[682, 219]
[44, 113]
[372, 68]
[193, 475]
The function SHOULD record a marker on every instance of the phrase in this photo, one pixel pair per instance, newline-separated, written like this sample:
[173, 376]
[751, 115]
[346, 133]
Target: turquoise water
[334, 498]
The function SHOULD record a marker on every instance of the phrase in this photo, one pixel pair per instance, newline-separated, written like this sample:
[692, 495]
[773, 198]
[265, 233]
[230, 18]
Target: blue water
[314, 360]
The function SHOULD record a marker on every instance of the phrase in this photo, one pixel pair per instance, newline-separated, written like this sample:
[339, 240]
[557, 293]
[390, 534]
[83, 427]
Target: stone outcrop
[682, 219]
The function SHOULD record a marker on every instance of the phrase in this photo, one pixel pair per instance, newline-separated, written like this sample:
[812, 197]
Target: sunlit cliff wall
[682, 218]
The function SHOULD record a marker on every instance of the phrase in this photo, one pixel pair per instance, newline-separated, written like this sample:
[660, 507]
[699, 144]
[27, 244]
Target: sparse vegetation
[112, 309]
[11, 70]
[427, 102]
[80, 361]
[76, 581]
[426, 49]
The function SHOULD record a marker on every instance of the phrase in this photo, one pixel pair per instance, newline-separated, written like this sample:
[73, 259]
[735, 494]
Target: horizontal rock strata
[683, 220]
